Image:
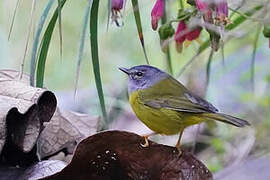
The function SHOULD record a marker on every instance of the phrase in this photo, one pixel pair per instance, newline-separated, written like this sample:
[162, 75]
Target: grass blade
[82, 42]
[95, 59]
[252, 66]
[44, 47]
[13, 18]
[36, 41]
[136, 12]
[60, 29]
[28, 36]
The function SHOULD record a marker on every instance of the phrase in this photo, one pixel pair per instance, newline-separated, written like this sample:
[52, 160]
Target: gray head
[143, 76]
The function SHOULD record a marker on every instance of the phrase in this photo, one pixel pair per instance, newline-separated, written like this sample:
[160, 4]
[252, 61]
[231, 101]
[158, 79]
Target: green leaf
[82, 42]
[136, 12]
[44, 47]
[36, 40]
[95, 59]
[252, 66]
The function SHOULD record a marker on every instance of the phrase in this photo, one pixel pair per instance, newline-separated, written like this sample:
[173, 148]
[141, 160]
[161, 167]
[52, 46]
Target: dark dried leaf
[119, 155]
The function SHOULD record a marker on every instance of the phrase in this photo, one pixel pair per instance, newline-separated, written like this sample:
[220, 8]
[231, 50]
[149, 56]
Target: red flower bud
[194, 34]
[180, 35]
[157, 13]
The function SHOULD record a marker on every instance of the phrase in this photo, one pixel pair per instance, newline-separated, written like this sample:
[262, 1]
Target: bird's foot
[146, 143]
[179, 150]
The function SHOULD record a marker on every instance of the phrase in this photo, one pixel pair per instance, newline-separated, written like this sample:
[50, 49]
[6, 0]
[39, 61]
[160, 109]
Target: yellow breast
[162, 121]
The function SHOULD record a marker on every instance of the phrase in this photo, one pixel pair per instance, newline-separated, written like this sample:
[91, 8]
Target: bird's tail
[226, 119]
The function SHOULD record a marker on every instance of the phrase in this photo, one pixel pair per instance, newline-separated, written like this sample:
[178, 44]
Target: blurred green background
[230, 88]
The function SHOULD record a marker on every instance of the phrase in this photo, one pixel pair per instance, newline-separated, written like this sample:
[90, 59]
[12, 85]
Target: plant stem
[181, 3]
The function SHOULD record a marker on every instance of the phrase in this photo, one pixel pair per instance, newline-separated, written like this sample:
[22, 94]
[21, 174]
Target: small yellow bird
[165, 106]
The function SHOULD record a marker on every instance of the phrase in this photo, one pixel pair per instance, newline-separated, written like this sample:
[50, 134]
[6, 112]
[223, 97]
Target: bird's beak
[125, 70]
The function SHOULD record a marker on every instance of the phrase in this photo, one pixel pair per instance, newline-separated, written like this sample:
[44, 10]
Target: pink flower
[222, 12]
[157, 13]
[116, 6]
[180, 35]
[194, 34]
[204, 7]
[201, 5]
[222, 8]
[184, 33]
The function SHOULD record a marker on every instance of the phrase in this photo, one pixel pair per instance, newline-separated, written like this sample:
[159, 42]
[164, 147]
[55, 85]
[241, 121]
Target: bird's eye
[139, 73]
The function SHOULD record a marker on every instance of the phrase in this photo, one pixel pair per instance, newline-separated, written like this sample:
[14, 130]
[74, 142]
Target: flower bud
[166, 31]
[157, 13]
[194, 34]
[266, 31]
[180, 35]
[205, 9]
[116, 6]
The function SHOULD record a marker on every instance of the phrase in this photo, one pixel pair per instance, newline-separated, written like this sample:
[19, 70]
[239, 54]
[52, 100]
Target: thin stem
[181, 4]
[28, 36]
[168, 54]
[208, 67]
[13, 18]
[254, 56]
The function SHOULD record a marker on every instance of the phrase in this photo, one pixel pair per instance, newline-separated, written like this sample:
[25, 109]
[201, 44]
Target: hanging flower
[194, 34]
[183, 32]
[205, 9]
[180, 35]
[222, 12]
[157, 13]
[116, 7]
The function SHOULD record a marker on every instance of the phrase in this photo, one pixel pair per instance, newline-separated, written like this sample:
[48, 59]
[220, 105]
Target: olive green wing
[173, 95]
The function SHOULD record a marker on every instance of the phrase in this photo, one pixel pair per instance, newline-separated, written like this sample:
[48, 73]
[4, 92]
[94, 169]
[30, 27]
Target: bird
[166, 106]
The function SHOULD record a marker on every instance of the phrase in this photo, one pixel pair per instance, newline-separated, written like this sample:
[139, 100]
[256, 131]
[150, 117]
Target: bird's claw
[179, 151]
[146, 144]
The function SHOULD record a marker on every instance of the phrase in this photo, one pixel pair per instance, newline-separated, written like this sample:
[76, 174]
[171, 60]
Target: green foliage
[136, 12]
[95, 59]
[44, 47]
[36, 41]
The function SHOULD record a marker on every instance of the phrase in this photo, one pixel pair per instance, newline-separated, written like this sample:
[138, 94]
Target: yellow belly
[162, 121]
